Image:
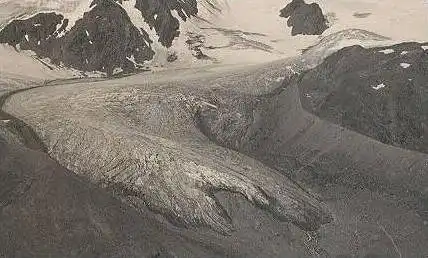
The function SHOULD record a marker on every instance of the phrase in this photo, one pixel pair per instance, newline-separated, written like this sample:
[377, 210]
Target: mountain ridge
[181, 33]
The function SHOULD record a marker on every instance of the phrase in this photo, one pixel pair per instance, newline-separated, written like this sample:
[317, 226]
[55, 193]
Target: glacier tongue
[143, 143]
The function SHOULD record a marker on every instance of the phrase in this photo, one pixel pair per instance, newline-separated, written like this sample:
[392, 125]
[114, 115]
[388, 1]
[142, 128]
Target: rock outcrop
[105, 39]
[159, 15]
[305, 19]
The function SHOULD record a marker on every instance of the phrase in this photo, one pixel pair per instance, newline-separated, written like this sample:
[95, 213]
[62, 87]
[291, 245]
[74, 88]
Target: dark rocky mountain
[34, 32]
[105, 39]
[306, 19]
[158, 14]
[378, 92]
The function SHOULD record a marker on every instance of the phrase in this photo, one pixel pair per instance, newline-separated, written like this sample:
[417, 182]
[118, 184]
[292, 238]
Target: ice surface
[405, 65]
[387, 51]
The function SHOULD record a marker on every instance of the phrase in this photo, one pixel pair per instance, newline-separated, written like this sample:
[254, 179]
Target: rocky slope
[388, 89]
[107, 36]
[105, 39]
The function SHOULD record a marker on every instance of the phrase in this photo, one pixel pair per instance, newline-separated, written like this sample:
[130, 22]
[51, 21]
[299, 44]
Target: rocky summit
[306, 19]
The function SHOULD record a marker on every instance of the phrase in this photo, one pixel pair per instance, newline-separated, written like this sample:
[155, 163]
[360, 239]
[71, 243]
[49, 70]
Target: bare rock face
[305, 19]
[158, 14]
[105, 39]
[35, 33]
[196, 42]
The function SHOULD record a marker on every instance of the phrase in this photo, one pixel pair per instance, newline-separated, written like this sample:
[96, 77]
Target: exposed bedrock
[159, 14]
[306, 19]
[104, 39]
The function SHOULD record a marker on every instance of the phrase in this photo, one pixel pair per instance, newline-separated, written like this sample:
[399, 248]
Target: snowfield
[251, 31]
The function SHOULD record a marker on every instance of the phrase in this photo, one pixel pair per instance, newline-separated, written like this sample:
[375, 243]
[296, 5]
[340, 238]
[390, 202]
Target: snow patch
[132, 59]
[117, 70]
[404, 53]
[405, 65]
[209, 104]
[280, 79]
[378, 87]
[61, 34]
[137, 19]
[26, 65]
[77, 13]
[387, 51]
[58, 27]
[27, 38]
[87, 33]
[424, 47]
